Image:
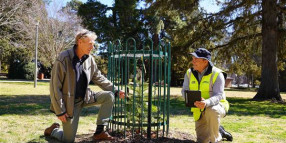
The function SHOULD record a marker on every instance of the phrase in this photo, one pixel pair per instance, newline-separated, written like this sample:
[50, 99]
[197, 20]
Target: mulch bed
[173, 137]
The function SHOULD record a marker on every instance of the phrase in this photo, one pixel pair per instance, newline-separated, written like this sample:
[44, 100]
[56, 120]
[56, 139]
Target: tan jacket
[63, 82]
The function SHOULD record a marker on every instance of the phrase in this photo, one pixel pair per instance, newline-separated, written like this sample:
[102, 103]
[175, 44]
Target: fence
[144, 75]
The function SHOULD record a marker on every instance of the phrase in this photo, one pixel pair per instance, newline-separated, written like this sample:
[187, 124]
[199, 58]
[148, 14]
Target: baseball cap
[203, 54]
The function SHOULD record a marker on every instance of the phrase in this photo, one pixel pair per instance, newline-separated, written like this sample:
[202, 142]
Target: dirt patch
[173, 137]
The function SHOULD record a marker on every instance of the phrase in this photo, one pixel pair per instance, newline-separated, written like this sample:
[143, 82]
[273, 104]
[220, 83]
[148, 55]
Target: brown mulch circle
[173, 137]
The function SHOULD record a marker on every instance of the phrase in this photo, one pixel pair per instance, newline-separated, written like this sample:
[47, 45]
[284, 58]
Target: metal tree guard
[144, 74]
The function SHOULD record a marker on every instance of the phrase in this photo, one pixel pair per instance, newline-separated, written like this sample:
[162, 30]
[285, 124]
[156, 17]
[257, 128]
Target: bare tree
[8, 11]
[56, 31]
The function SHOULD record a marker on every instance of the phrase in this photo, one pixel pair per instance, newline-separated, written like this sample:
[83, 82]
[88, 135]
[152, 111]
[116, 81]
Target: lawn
[24, 114]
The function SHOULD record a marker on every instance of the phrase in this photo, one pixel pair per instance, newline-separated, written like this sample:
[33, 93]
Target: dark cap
[203, 54]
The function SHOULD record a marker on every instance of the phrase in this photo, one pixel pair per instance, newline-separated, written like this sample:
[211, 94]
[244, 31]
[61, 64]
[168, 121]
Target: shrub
[21, 70]
[19, 65]
[28, 71]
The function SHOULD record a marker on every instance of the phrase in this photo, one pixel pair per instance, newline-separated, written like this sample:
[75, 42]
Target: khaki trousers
[103, 98]
[207, 127]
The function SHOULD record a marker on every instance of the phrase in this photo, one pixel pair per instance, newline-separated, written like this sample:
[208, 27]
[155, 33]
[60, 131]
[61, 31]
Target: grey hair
[83, 33]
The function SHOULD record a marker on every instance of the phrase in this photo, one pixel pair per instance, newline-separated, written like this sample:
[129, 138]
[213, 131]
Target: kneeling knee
[212, 111]
[110, 96]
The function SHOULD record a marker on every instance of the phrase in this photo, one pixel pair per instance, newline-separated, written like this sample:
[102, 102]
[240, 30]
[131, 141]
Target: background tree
[9, 11]
[269, 87]
[120, 21]
[56, 32]
[233, 34]
[184, 22]
[244, 19]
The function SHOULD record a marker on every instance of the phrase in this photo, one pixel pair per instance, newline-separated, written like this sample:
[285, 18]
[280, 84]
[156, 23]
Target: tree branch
[233, 41]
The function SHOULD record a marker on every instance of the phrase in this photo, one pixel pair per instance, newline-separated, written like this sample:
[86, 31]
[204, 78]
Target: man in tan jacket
[69, 92]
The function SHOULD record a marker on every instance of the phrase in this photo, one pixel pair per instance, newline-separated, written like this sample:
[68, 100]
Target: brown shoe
[49, 130]
[103, 136]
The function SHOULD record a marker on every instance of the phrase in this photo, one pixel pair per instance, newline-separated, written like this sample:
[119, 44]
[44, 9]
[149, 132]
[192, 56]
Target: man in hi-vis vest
[210, 80]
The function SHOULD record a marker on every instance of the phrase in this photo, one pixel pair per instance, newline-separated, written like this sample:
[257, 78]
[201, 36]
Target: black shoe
[225, 134]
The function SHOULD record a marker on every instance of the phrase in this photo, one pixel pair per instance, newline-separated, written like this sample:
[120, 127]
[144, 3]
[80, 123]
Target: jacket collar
[72, 54]
[196, 74]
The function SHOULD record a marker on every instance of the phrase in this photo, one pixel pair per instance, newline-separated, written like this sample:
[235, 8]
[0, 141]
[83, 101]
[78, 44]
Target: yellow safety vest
[206, 87]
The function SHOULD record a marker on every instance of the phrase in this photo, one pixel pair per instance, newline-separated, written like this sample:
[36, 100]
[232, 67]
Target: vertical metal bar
[169, 81]
[126, 92]
[121, 85]
[134, 83]
[134, 91]
[159, 88]
[142, 98]
[150, 92]
[155, 79]
[118, 84]
[112, 80]
[165, 81]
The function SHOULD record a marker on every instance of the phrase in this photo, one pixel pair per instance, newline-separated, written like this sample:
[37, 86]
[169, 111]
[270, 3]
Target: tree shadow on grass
[24, 104]
[32, 105]
[178, 107]
[238, 106]
[40, 104]
[247, 107]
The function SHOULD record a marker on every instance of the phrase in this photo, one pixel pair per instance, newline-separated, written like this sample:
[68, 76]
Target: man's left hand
[121, 94]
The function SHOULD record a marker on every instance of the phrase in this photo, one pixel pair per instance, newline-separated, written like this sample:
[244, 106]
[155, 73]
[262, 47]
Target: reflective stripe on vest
[206, 88]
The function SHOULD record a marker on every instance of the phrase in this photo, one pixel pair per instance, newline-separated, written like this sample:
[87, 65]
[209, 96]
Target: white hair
[83, 33]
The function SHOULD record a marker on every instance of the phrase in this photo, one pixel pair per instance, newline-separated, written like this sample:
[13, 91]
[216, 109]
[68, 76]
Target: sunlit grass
[248, 121]
[24, 114]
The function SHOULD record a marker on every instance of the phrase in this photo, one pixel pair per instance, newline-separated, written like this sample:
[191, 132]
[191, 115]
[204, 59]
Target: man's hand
[63, 118]
[200, 104]
[121, 94]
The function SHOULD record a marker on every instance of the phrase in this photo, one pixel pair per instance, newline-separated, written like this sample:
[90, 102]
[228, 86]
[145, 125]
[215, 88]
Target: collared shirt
[200, 75]
[81, 80]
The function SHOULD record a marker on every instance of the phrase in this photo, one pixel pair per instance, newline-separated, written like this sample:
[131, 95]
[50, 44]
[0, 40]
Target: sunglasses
[83, 35]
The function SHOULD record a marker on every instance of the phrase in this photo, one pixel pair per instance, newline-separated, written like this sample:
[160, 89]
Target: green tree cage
[144, 74]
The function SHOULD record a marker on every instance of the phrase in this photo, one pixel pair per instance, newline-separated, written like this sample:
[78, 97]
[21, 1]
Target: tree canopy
[246, 37]
[234, 34]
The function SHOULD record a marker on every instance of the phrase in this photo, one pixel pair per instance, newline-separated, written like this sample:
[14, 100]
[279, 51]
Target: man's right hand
[63, 118]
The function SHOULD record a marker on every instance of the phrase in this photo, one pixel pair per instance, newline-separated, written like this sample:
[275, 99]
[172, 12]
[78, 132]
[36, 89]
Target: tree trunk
[269, 87]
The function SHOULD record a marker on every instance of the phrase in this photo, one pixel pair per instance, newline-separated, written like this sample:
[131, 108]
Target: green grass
[24, 114]
[248, 121]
